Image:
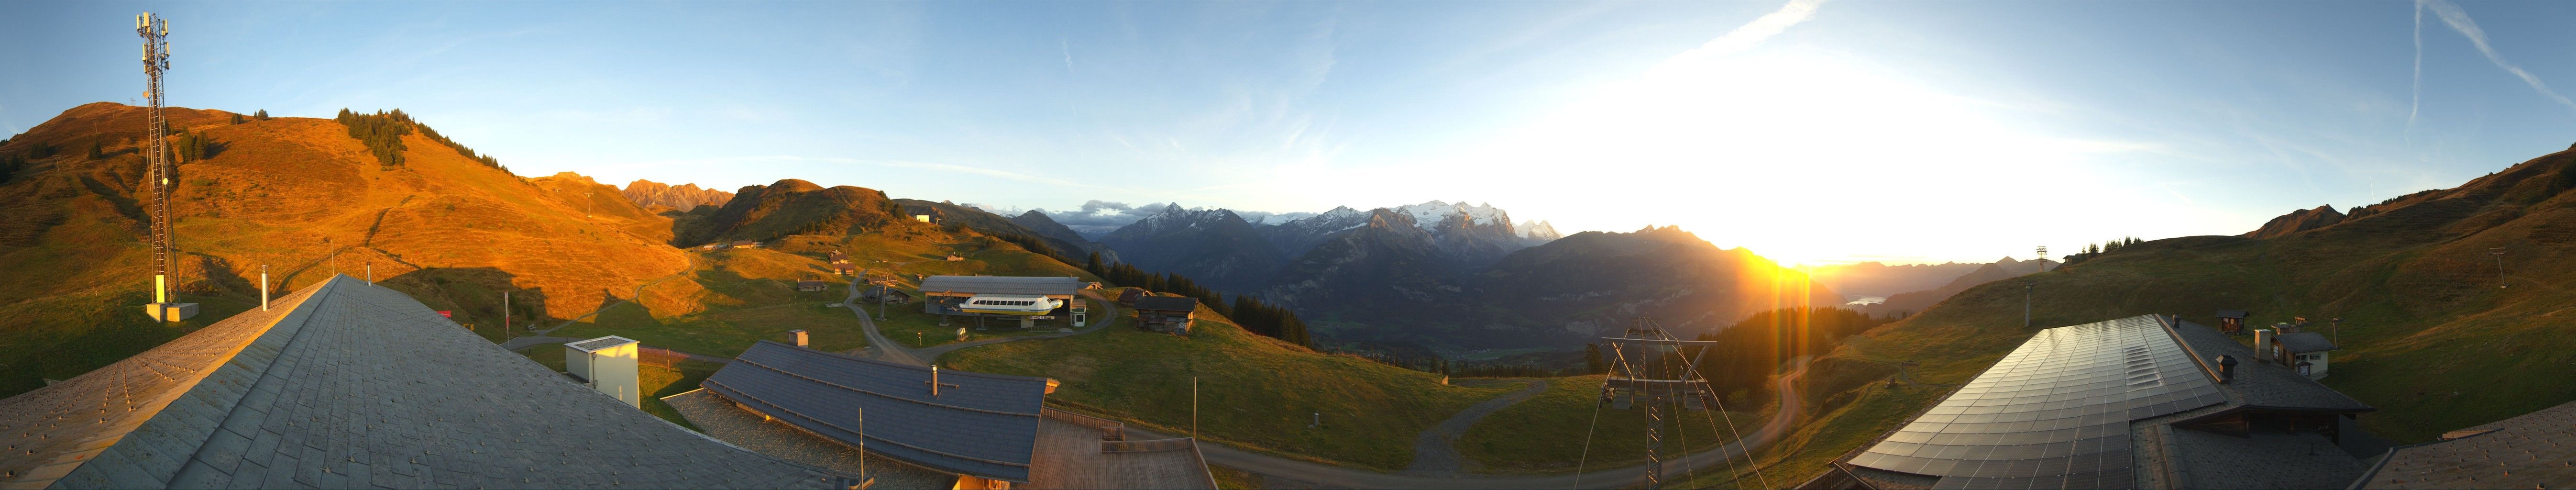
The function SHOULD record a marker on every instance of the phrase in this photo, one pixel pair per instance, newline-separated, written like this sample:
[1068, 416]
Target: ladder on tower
[1635, 378]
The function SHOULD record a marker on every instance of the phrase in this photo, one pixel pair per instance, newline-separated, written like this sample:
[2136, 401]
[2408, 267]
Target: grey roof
[2260, 384]
[2231, 313]
[351, 385]
[986, 425]
[1048, 285]
[2534, 450]
[2304, 342]
[2054, 413]
[1167, 303]
[593, 345]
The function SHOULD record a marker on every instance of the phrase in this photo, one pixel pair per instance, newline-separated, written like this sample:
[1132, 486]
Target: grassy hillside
[732, 298]
[2429, 338]
[303, 198]
[1546, 433]
[1253, 391]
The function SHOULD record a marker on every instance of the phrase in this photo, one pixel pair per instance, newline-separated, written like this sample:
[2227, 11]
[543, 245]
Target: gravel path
[1435, 452]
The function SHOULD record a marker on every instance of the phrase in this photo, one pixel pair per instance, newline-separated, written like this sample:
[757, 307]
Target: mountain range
[681, 197]
[1458, 276]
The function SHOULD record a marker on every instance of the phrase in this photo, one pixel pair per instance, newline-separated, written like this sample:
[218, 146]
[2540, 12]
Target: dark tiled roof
[1048, 285]
[986, 425]
[2231, 313]
[2535, 450]
[351, 385]
[2262, 384]
[1167, 303]
[2262, 459]
[2304, 342]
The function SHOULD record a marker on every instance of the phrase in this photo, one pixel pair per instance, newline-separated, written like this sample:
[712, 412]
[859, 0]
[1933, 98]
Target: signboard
[1048, 317]
[446, 314]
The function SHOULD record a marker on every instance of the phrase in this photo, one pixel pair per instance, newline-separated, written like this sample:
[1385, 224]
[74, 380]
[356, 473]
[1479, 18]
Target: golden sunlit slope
[2427, 335]
[303, 197]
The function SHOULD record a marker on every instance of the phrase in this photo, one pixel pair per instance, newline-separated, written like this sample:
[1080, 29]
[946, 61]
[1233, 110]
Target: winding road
[1435, 452]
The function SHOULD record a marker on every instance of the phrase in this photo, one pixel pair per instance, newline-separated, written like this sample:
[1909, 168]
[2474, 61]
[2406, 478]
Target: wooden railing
[1110, 430]
[1147, 446]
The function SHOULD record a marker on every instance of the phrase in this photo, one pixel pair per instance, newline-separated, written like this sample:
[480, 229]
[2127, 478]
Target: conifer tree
[1592, 361]
[261, 115]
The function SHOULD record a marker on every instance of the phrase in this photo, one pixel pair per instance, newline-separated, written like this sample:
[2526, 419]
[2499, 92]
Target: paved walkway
[1435, 452]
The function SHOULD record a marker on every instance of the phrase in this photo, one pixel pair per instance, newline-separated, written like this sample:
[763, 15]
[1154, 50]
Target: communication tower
[156, 154]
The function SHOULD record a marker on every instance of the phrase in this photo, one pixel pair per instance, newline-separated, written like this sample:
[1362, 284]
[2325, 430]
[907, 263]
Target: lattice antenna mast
[1644, 344]
[156, 59]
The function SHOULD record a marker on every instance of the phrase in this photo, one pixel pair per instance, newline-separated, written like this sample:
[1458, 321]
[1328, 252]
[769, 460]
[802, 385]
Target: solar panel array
[2053, 414]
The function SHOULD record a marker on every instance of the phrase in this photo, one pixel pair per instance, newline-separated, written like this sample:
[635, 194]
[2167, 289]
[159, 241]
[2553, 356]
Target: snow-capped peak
[1430, 214]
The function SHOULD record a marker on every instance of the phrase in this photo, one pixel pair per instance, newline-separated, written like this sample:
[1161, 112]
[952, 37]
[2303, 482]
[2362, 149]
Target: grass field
[1547, 434]
[654, 380]
[1253, 391]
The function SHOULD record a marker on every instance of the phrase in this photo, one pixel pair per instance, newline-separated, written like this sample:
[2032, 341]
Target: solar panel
[2053, 414]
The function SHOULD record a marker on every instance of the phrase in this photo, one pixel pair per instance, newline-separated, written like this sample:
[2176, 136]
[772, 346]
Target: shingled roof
[350, 385]
[2535, 450]
[1167, 303]
[985, 425]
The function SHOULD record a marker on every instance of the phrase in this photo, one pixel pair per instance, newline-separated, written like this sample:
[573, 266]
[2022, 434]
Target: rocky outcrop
[681, 197]
[2298, 221]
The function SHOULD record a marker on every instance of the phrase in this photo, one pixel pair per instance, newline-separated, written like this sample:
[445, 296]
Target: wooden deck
[1069, 456]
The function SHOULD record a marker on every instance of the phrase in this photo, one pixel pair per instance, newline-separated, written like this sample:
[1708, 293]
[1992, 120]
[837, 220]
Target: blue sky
[1901, 131]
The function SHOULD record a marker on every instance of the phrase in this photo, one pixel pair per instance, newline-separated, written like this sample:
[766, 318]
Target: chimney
[798, 336]
[2226, 369]
[2263, 344]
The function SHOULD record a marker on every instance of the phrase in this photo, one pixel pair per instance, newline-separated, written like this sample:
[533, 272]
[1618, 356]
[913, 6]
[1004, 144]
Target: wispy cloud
[1067, 46]
[2415, 105]
[1752, 34]
[2451, 15]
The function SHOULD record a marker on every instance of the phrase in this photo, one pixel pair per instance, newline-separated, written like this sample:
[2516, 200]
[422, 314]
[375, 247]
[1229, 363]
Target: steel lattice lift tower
[156, 59]
[1635, 377]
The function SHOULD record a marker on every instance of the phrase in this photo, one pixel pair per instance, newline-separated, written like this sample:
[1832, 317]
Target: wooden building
[2303, 352]
[744, 244]
[810, 285]
[2231, 321]
[1129, 296]
[1166, 314]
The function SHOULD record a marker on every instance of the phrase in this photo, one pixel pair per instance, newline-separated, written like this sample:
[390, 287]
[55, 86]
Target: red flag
[445, 314]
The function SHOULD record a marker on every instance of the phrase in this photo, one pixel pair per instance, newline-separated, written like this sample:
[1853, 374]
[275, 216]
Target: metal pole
[2025, 305]
[1194, 407]
[263, 287]
[505, 315]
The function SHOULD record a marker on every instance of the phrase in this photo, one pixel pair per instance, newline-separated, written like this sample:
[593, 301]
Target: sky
[1810, 132]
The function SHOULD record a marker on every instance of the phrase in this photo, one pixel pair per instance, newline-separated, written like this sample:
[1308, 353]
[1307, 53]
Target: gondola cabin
[1001, 304]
